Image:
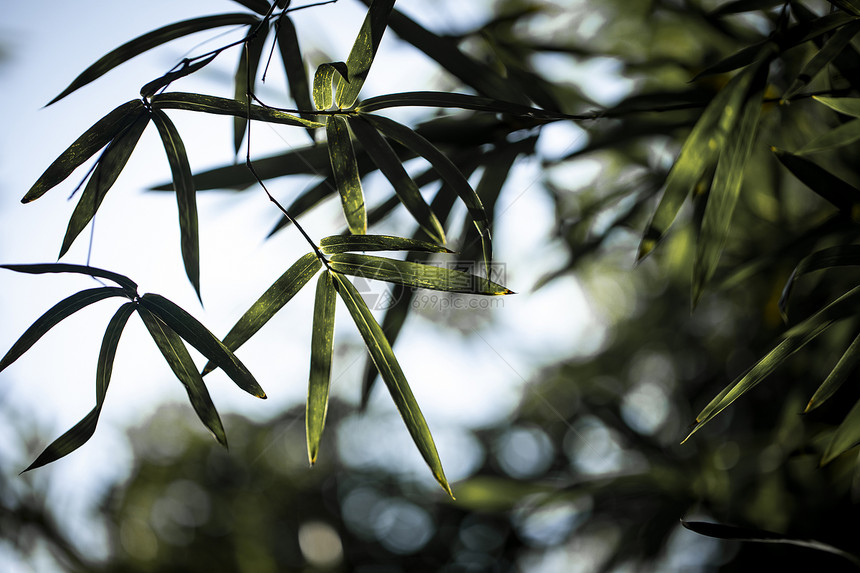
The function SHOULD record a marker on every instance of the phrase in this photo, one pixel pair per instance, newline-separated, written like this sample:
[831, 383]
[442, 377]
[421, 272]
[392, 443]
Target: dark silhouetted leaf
[294, 66]
[223, 106]
[739, 6]
[832, 48]
[246, 77]
[38, 269]
[842, 195]
[839, 256]
[346, 243]
[346, 174]
[455, 100]
[261, 7]
[322, 341]
[187, 68]
[363, 51]
[150, 40]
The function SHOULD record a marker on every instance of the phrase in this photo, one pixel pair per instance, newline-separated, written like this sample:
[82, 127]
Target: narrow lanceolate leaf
[294, 66]
[850, 6]
[414, 274]
[363, 51]
[186, 69]
[84, 147]
[792, 341]
[760, 536]
[739, 6]
[346, 243]
[246, 77]
[839, 256]
[261, 7]
[204, 341]
[273, 300]
[383, 356]
[389, 164]
[446, 169]
[148, 41]
[841, 194]
[224, 106]
[454, 100]
[322, 92]
[726, 186]
[845, 105]
[322, 341]
[180, 361]
[39, 269]
[840, 136]
[110, 165]
[847, 436]
[55, 315]
[698, 155]
[83, 430]
[832, 48]
[346, 174]
[186, 200]
[846, 365]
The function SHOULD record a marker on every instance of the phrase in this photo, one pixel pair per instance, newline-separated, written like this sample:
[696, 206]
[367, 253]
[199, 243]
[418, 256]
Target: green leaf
[39, 269]
[346, 243]
[150, 40]
[204, 341]
[846, 436]
[322, 92]
[389, 164]
[261, 7]
[186, 199]
[839, 256]
[186, 69]
[739, 6]
[246, 77]
[110, 165]
[84, 147]
[832, 48]
[385, 361]
[842, 195]
[840, 136]
[224, 106]
[346, 174]
[363, 51]
[322, 341]
[414, 274]
[446, 169]
[454, 100]
[726, 186]
[792, 341]
[180, 361]
[845, 105]
[846, 365]
[294, 66]
[743, 534]
[63, 309]
[83, 430]
[273, 300]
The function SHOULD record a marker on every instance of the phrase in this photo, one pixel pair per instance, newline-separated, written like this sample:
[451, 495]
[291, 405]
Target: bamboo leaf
[840, 136]
[110, 165]
[385, 361]
[186, 69]
[454, 100]
[322, 91]
[844, 105]
[182, 365]
[322, 341]
[294, 66]
[246, 78]
[846, 436]
[727, 181]
[842, 195]
[739, 6]
[38, 269]
[839, 256]
[273, 300]
[414, 275]
[204, 341]
[389, 164]
[261, 7]
[850, 6]
[346, 174]
[832, 48]
[224, 106]
[63, 309]
[363, 51]
[846, 365]
[186, 200]
[150, 40]
[84, 147]
[346, 243]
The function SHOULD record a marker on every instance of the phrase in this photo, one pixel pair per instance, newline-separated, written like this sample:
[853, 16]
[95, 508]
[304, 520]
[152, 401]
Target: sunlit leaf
[726, 186]
[223, 106]
[363, 51]
[346, 174]
[110, 165]
[63, 309]
[84, 147]
[839, 256]
[148, 41]
[757, 535]
[841, 194]
[832, 48]
[390, 166]
[846, 436]
[414, 275]
[845, 105]
[186, 199]
[322, 341]
[322, 91]
[186, 69]
[38, 269]
[189, 328]
[346, 243]
[841, 136]
[294, 66]
[454, 100]
[383, 356]
[83, 430]
[180, 361]
[246, 77]
[846, 365]
[273, 300]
